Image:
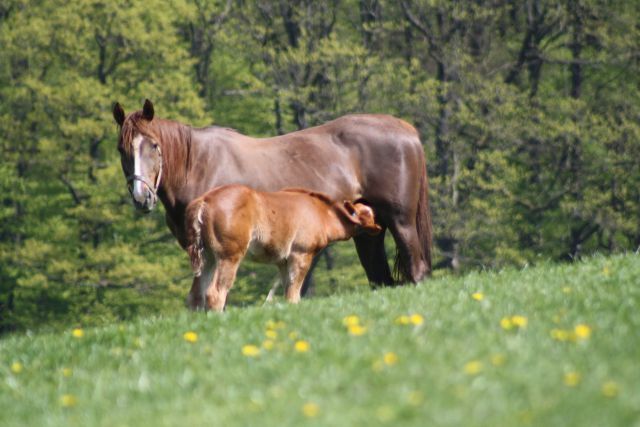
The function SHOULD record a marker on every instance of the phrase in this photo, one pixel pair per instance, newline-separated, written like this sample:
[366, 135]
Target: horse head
[140, 155]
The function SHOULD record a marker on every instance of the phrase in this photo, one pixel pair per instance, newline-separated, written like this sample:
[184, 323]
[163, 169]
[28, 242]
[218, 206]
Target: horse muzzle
[144, 192]
[146, 206]
[144, 199]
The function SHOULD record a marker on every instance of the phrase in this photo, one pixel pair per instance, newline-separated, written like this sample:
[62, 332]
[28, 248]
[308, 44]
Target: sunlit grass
[551, 345]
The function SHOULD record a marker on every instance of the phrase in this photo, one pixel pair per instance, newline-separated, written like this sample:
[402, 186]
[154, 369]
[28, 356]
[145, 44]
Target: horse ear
[118, 113]
[147, 110]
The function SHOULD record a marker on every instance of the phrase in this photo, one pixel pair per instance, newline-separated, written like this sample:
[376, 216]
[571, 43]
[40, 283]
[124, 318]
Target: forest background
[528, 111]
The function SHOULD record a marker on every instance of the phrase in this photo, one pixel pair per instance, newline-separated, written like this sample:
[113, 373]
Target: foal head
[140, 155]
[361, 216]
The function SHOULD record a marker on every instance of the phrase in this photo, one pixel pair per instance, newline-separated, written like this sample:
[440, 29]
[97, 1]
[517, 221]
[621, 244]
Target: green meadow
[551, 345]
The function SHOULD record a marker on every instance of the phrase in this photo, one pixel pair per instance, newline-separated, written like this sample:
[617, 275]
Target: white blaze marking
[137, 184]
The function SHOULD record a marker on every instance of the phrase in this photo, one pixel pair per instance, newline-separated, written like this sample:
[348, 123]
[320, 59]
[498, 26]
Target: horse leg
[297, 268]
[374, 258]
[202, 284]
[308, 279]
[195, 300]
[409, 262]
[224, 277]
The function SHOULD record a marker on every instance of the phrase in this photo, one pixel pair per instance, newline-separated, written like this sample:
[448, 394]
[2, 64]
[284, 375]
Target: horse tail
[402, 267]
[195, 243]
[423, 220]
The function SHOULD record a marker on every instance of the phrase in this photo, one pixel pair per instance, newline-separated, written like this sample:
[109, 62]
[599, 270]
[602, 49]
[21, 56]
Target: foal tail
[195, 244]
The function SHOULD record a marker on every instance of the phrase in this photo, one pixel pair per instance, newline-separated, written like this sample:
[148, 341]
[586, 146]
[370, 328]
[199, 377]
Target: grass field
[550, 345]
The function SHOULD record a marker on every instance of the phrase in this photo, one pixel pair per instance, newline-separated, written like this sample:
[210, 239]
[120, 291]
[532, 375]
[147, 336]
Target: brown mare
[286, 228]
[374, 158]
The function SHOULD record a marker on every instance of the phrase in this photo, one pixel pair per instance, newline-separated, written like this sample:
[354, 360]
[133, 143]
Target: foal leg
[297, 267]
[224, 277]
[374, 258]
[272, 291]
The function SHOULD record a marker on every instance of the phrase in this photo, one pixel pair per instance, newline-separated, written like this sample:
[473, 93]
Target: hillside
[527, 111]
[550, 345]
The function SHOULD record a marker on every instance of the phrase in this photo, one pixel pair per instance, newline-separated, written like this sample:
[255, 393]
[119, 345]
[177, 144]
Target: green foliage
[528, 112]
[459, 360]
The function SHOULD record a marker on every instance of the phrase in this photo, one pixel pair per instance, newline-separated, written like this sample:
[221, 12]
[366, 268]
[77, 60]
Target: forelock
[133, 125]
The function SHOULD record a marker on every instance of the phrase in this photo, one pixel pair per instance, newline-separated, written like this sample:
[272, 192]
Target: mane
[174, 139]
[320, 196]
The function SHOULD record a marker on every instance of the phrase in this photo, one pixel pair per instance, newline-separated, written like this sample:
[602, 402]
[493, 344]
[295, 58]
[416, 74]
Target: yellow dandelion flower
[390, 358]
[293, 335]
[415, 398]
[566, 290]
[560, 334]
[416, 319]
[256, 405]
[250, 350]
[351, 320]
[473, 368]
[310, 410]
[302, 346]
[605, 271]
[271, 334]
[506, 323]
[385, 413]
[519, 321]
[525, 417]
[16, 367]
[267, 344]
[582, 331]
[190, 337]
[478, 296]
[68, 400]
[271, 324]
[403, 320]
[572, 379]
[498, 359]
[610, 389]
[357, 330]
[67, 372]
[77, 333]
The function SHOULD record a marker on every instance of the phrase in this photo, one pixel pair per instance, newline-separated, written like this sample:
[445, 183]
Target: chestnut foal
[287, 228]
